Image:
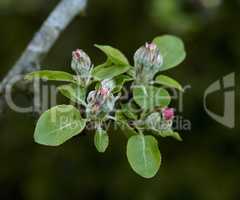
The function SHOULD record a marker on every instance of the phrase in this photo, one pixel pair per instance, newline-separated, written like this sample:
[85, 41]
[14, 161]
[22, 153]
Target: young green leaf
[120, 81]
[123, 125]
[108, 71]
[115, 65]
[149, 97]
[131, 72]
[170, 133]
[172, 50]
[101, 140]
[143, 155]
[128, 112]
[74, 92]
[51, 76]
[57, 125]
[169, 82]
[113, 54]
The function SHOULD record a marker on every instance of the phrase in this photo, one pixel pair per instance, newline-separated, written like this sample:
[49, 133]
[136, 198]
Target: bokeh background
[205, 166]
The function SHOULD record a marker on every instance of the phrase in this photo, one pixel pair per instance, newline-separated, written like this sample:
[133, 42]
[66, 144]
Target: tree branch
[43, 40]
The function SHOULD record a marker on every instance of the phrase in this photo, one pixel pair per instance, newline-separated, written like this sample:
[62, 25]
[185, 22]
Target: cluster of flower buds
[101, 102]
[160, 120]
[81, 64]
[148, 62]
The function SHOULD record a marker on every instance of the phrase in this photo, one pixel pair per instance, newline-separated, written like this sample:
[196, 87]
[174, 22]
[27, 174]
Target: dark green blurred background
[205, 166]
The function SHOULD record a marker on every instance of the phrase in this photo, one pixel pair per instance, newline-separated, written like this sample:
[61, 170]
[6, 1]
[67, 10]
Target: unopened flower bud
[100, 103]
[148, 62]
[81, 64]
[104, 91]
[151, 46]
[157, 123]
[76, 54]
[82, 58]
[168, 113]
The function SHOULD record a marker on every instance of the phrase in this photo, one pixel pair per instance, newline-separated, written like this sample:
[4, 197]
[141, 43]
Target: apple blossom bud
[155, 122]
[148, 62]
[76, 54]
[104, 91]
[100, 103]
[81, 58]
[151, 46]
[81, 64]
[168, 113]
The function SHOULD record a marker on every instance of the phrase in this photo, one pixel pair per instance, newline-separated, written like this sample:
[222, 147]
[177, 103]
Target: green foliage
[115, 65]
[143, 155]
[127, 111]
[75, 93]
[51, 76]
[113, 55]
[123, 125]
[99, 93]
[149, 97]
[101, 140]
[169, 82]
[170, 133]
[109, 70]
[58, 125]
[172, 50]
[120, 81]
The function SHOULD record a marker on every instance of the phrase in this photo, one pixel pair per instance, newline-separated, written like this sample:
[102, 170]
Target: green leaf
[143, 155]
[113, 54]
[115, 65]
[172, 50]
[149, 97]
[123, 125]
[170, 133]
[120, 81]
[131, 72]
[169, 82]
[108, 71]
[51, 76]
[74, 92]
[101, 140]
[57, 125]
[128, 112]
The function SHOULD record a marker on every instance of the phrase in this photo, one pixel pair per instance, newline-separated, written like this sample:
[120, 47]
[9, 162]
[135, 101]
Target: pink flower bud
[104, 91]
[80, 62]
[151, 46]
[76, 54]
[168, 113]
